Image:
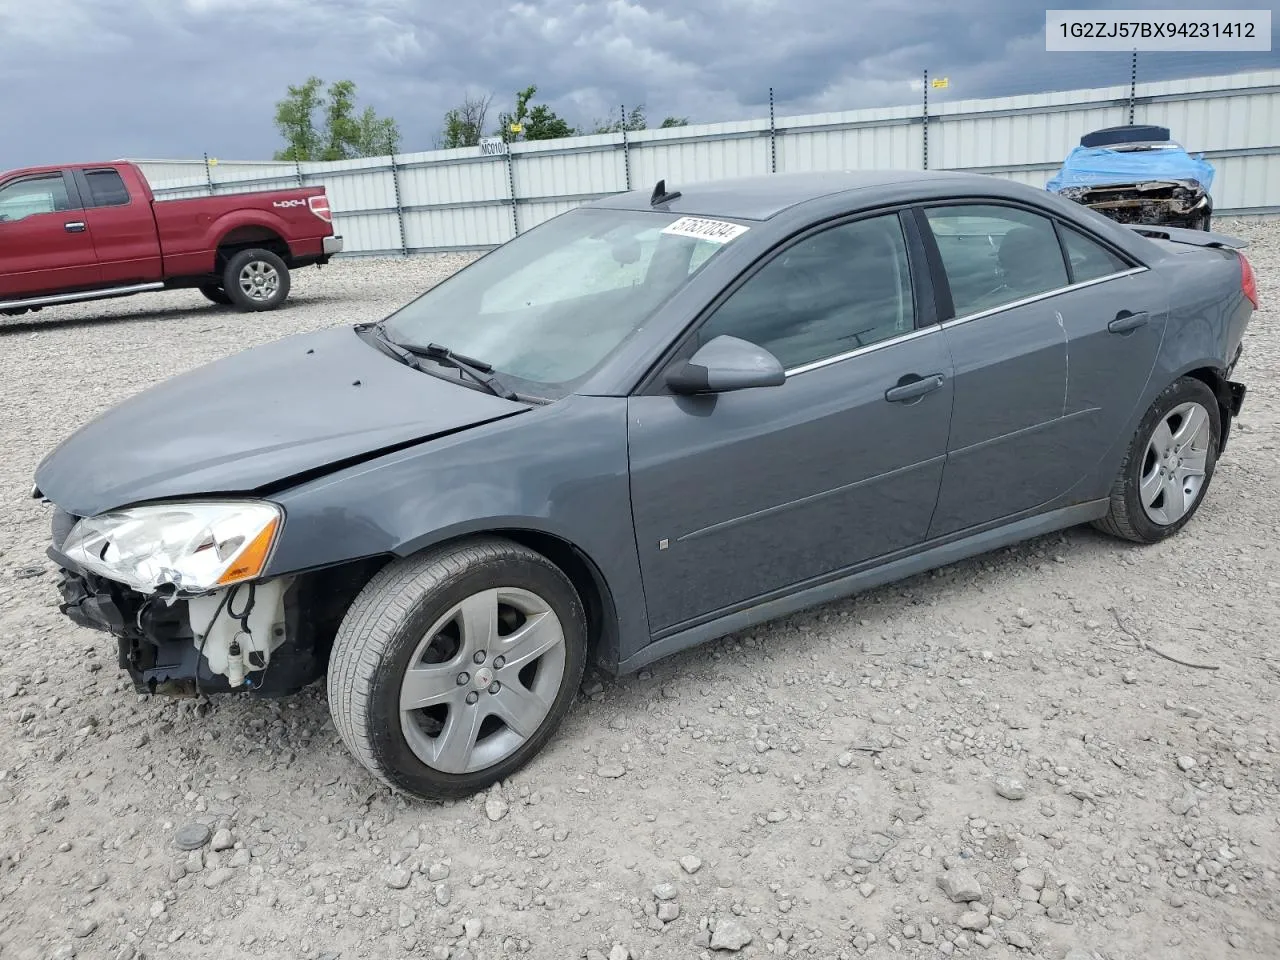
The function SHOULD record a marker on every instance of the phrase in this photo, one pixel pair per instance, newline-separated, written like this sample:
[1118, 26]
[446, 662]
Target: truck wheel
[453, 668]
[256, 280]
[216, 294]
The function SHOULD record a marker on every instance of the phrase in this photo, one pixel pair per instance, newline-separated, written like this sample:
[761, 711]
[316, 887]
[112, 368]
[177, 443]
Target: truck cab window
[33, 195]
[106, 188]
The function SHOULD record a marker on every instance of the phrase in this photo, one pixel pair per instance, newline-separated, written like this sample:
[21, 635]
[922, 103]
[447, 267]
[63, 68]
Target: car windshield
[547, 308]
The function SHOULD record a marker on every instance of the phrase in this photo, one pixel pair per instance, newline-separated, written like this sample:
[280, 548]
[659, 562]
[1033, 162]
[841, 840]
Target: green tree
[634, 120]
[344, 134]
[464, 124]
[295, 119]
[378, 136]
[537, 123]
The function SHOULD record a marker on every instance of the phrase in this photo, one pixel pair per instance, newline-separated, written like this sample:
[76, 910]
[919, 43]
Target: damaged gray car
[656, 419]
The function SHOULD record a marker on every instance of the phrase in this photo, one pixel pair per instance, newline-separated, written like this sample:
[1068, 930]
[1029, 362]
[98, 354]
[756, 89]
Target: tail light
[1248, 282]
[320, 207]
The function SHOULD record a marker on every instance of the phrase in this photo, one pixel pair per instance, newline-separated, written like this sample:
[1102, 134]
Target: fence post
[925, 116]
[626, 148]
[773, 137]
[511, 189]
[208, 173]
[395, 180]
[1133, 82]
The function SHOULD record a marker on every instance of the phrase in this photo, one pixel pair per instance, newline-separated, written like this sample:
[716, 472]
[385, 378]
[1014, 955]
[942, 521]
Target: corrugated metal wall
[458, 199]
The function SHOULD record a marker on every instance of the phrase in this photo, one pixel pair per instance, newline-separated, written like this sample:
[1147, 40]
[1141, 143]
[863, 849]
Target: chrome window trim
[1013, 305]
[869, 348]
[913, 334]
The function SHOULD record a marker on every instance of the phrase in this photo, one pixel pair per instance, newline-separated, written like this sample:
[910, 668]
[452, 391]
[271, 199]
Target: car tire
[256, 280]
[1145, 505]
[216, 295]
[419, 629]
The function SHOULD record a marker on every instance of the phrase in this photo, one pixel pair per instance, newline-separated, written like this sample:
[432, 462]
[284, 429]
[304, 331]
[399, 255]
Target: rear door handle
[914, 389]
[75, 226]
[1126, 321]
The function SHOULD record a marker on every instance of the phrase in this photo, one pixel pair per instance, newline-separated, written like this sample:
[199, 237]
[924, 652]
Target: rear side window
[106, 188]
[995, 255]
[1089, 259]
[32, 196]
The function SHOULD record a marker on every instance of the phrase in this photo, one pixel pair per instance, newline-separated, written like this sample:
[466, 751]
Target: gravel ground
[994, 760]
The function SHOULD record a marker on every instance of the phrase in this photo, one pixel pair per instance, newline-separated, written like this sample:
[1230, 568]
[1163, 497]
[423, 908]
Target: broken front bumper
[1162, 202]
[185, 646]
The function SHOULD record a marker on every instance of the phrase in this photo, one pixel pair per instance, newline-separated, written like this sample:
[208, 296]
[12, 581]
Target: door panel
[1008, 344]
[123, 227]
[1114, 330]
[1008, 424]
[745, 493]
[45, 246]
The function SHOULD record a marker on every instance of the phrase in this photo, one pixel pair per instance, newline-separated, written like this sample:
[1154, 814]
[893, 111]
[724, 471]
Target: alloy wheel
[1173, 469]
[482, 680]
[259, 281]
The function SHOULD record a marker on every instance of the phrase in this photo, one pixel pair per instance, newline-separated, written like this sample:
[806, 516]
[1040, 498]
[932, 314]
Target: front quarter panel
[559, 470]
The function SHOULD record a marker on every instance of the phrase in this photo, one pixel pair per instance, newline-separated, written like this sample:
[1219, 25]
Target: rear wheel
[256, 280]
[1169, 465]
[216, 295]
[452, 669]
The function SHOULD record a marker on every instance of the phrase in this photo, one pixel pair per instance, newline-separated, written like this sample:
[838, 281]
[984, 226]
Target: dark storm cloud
[173, 78]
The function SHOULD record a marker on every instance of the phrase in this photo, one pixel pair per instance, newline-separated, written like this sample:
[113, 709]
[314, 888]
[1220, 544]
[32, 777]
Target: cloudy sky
[101, 79]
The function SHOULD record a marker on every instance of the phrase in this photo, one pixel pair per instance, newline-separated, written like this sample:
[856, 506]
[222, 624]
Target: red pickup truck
[93, 231]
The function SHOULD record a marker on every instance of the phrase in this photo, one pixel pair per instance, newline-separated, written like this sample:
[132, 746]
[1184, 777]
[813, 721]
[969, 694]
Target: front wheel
[452, 669]
[256, 280]
[1170, 462]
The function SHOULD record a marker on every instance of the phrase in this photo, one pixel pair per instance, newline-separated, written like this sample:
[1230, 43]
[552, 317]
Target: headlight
[196, 547]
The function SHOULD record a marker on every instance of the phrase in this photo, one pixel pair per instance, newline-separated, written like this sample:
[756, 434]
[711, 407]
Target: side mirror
[725, 364]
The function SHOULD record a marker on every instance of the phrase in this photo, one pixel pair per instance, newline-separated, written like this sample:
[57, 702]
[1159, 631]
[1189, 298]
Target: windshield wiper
[387, 345]
[478, 370]
[408, 354]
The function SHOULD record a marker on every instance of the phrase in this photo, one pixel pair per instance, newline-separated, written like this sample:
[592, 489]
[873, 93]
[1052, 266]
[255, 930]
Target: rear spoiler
[1196, 238]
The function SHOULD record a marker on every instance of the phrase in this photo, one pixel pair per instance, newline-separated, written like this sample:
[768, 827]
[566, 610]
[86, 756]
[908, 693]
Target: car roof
[765, 196]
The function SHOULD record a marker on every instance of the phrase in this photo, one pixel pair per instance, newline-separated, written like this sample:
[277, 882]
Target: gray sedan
[654, 420]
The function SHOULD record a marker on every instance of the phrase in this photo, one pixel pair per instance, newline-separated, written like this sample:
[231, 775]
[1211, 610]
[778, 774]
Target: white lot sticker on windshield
[700, 228]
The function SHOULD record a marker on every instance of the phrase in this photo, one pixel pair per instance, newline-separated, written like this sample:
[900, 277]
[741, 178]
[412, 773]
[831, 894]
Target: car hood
[293, 407]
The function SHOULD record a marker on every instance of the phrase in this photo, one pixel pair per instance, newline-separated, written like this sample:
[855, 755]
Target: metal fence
[469, 199]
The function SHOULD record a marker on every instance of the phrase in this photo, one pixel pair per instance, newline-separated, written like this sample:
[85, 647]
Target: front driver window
[26, 198]
[832, 292]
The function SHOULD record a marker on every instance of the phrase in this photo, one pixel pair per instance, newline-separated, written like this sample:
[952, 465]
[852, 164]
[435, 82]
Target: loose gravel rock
[192, 836]
[844, 755]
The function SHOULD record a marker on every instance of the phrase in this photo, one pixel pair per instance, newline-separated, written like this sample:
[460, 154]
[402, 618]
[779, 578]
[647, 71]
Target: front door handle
[1126, 321]
[913, 389]
[75, 226]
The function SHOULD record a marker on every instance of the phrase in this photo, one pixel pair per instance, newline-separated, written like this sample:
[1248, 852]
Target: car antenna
[660, 194]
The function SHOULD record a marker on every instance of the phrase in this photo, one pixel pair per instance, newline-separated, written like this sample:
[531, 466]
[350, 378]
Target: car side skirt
[930, 558]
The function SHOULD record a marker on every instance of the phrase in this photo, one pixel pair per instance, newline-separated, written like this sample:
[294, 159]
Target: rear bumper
[332, 245]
